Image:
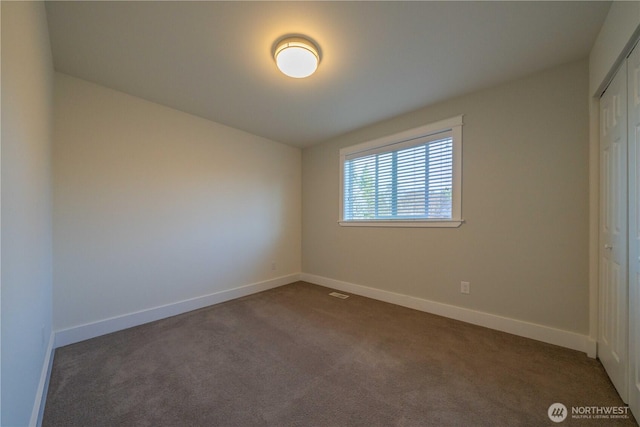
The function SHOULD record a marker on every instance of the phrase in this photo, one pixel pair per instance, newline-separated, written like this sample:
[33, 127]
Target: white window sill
[415, 223]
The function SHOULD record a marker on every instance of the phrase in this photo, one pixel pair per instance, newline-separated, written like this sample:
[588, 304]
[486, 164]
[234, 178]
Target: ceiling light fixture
[297, 57]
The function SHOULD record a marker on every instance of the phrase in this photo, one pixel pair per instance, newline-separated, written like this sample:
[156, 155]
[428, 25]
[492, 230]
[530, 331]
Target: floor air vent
[339, 295]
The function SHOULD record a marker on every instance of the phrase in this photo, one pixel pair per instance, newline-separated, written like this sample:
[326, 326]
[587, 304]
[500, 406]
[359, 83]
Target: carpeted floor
[295, 356]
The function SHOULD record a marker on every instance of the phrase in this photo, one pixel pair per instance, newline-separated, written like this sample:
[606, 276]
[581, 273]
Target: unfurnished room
[403, 213]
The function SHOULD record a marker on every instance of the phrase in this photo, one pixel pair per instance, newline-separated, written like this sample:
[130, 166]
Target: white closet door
[614, 299]
[633, 70]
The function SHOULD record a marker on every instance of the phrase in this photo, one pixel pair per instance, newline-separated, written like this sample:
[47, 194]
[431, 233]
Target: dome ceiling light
[297, 57]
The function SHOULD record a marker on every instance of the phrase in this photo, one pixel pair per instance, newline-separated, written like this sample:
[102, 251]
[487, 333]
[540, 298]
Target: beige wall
[27, 90]
[524, 247]
[154, 206]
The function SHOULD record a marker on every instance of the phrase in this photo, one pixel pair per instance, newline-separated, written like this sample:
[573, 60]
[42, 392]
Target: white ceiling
[379, 59]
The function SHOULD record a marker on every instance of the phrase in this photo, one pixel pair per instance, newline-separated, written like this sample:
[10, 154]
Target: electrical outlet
[465, 287]
[273, 266]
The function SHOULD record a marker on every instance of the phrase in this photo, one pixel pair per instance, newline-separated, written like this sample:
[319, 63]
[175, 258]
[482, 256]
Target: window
[410, 179]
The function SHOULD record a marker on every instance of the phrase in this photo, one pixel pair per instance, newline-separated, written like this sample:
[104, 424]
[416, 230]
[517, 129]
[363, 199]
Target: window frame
[452, 125]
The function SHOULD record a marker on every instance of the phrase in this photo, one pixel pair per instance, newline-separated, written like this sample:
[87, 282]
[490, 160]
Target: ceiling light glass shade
[297, 57]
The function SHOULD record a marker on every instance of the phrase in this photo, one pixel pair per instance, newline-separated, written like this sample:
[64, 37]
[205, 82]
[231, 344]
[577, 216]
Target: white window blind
[404, 180]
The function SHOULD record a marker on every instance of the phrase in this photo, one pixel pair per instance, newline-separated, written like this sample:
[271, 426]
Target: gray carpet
[295, 356]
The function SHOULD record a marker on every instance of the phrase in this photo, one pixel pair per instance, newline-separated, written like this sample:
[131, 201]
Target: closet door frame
[633, 102]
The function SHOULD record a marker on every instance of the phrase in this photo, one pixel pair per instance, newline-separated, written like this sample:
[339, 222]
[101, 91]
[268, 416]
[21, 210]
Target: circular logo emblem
[557, 412]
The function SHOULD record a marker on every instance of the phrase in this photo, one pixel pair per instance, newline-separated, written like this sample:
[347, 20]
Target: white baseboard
[118, 323]
[43, 385]
[521, 328]
[592, 347]
[538, 332]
